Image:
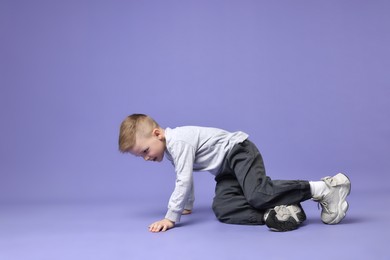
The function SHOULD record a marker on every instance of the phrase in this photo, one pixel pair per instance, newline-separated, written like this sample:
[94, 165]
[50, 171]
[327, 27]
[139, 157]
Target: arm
[165, 224]
[190, 202]
[182, 197]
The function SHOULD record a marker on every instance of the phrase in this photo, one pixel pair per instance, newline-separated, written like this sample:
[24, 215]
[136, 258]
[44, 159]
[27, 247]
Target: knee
[238, 216]
[223, 213]
[219, 211]
[224, 218]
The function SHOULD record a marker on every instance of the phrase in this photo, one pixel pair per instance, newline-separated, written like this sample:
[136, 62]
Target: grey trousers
[244, 192]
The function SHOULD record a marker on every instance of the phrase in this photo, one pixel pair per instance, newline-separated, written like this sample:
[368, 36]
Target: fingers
[160, 226]
[155, 227]
[165, 228]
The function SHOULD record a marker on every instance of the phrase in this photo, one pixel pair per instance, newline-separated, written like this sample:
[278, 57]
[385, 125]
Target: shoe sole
[275, 224]
[343, 204]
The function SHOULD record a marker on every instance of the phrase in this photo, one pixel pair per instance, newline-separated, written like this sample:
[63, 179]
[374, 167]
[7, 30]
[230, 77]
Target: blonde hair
[133, 125]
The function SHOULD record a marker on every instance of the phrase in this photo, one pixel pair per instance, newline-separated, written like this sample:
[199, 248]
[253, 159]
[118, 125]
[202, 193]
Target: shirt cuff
[173, 216]
[189, 205]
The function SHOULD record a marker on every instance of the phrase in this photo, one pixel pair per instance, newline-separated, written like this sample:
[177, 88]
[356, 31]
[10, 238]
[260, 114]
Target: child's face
[150, 148]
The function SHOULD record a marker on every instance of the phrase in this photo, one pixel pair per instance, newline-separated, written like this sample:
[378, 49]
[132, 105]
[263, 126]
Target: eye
[146, 150]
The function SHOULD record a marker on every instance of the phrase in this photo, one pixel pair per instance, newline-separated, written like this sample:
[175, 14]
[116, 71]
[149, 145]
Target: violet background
[307, 80]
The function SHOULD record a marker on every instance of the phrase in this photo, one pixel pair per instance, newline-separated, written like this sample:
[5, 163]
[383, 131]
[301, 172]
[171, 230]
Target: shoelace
[324, 206]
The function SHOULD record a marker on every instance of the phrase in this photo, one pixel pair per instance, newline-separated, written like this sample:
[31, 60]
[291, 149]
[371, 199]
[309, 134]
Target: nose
[146, 158]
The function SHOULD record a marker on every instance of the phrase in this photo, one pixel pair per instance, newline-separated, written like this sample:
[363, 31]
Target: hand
[186, 212]
[162, 225]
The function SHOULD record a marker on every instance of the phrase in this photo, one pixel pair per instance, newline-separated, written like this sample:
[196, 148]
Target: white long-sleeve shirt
[193, 148]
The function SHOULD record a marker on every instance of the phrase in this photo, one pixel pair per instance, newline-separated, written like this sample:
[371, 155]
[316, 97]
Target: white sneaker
[284, 218]
[334, 204]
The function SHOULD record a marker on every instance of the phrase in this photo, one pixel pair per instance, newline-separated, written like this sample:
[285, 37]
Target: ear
[158, 133]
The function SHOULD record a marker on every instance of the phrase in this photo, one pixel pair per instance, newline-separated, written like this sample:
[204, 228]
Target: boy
[243, 193]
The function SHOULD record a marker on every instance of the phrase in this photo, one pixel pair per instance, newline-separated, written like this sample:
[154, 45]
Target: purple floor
[119, 231]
